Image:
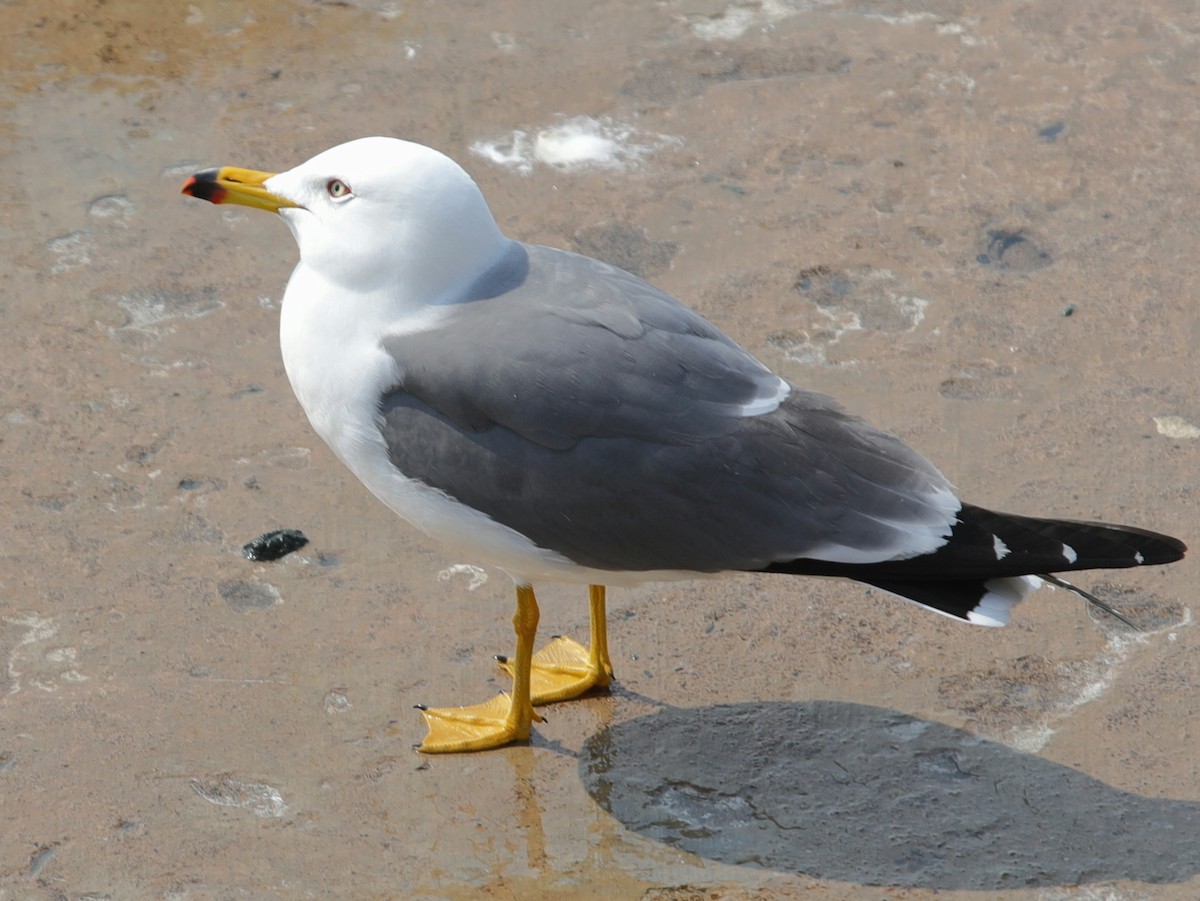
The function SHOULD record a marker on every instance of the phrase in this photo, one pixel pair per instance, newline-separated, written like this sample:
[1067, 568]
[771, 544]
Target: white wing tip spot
[1069, 554]
[768, 401]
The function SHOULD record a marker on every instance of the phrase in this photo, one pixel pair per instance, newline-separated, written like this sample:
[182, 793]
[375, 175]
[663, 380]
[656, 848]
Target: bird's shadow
[876, 797]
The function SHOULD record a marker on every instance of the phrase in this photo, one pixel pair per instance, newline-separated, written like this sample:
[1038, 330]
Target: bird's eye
[338, 188]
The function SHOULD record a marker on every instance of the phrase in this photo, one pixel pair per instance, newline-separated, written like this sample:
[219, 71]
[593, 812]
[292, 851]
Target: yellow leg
[598, 657]
[505, 718]
[564, 668]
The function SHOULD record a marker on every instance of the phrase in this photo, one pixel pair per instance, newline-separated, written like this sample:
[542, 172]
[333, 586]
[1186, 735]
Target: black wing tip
[1174, 550]
[1148, 548]
[1093, 544]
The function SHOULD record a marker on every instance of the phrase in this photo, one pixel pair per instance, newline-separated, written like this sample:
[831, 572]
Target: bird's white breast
[338, 370]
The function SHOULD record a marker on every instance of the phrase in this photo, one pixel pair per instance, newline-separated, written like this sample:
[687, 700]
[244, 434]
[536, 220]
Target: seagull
[560, 419]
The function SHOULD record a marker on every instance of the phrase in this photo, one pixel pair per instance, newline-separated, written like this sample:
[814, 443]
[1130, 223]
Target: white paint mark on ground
[37, 629]
[739, 17]
[1086, 683]
[478, 575]
[260, 799]
[1175, 427]
[578, 143]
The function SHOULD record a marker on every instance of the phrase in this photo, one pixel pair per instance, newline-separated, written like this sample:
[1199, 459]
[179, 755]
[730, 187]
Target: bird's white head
[374, 214]
[379, 209]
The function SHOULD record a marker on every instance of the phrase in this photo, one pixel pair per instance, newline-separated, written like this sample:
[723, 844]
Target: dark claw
[420, 706]
[501, 658]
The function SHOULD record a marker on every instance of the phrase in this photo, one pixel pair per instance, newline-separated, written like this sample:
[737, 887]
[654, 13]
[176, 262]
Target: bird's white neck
[446, 249]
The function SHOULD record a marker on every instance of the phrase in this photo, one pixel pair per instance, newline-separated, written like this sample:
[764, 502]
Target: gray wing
[599, 417]
[557, 347]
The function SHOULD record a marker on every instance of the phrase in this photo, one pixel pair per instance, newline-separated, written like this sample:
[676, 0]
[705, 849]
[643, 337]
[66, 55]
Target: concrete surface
[974, 223]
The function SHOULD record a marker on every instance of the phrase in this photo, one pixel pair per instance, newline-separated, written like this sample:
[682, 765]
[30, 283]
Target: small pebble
[41, 857]
[273, 545]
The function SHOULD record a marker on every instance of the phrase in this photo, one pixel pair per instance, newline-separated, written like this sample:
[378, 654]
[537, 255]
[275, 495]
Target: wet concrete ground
[974, 223]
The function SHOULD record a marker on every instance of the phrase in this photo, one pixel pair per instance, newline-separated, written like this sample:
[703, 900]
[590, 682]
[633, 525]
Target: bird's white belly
[468, 534]
[339, 391]
[338, 371]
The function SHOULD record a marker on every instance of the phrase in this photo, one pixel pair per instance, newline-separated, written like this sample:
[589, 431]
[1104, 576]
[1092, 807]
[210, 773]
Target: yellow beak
[230, 184]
